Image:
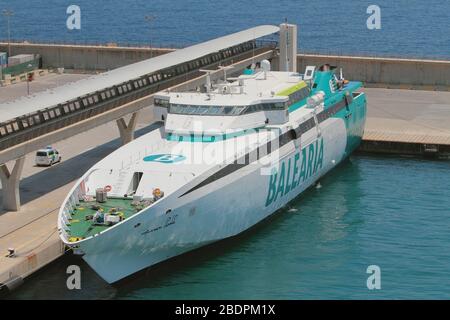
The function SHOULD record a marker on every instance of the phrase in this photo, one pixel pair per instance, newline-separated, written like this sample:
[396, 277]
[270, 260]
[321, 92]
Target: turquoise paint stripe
[207, 138]
[354, 119]
[297, 105]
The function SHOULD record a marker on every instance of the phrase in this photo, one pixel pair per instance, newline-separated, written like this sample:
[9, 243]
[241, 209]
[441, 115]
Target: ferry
[225, 157]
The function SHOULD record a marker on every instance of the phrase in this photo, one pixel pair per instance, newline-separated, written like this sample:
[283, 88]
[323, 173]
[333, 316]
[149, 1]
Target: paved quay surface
[32, 230]
[410, 116]
[393, 115]
[49, 81]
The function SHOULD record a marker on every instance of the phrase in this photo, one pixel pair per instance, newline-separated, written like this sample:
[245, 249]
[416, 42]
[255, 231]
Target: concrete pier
[400, 121]
[408, 122]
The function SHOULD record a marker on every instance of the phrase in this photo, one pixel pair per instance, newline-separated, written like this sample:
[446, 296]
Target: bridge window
[129, 86]
[2, 131]
[205, 110]
[58, 112]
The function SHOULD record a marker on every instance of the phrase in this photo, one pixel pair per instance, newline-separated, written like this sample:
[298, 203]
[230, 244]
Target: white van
[47, 156]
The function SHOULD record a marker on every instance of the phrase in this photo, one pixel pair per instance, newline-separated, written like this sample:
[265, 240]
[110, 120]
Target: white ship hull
[219, 210]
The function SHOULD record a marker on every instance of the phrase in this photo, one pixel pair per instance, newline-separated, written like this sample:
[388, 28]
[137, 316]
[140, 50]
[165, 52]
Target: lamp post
[150, 19]
[29, 75]
[8, 14]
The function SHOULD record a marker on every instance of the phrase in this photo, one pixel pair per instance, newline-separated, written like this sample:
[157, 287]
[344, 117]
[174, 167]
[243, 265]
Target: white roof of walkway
[95, 83]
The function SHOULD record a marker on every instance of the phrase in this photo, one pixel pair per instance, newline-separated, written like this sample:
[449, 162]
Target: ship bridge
[35, 121]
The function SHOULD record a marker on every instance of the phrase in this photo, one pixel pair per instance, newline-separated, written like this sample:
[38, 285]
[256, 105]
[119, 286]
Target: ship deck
[82, 227]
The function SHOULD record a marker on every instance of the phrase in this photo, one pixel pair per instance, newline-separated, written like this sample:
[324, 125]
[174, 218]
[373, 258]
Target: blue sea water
[411, 28]
[392, 212]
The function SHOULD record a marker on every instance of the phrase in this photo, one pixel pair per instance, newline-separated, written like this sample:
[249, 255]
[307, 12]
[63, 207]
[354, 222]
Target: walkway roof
[52, 97]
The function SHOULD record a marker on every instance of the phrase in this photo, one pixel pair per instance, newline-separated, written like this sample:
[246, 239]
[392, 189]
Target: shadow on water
[32, 187]
[54, 277]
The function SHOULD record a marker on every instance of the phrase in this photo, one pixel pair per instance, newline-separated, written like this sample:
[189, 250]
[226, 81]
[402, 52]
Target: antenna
[253, 48]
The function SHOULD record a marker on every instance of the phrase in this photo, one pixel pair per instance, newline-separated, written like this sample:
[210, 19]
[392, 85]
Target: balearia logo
[295, 170]
[165, 158]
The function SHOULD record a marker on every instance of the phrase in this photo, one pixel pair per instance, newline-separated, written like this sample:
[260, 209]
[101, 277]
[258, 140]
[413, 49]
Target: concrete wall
[383, 72]
[386, 72]
[84, 57]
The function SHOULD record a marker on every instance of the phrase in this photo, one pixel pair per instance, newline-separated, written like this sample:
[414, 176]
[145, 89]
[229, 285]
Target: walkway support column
[127, 130]
[10, 185]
